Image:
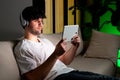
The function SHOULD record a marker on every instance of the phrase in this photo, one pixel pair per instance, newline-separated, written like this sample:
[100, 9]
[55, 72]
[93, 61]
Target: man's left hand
[75, 40]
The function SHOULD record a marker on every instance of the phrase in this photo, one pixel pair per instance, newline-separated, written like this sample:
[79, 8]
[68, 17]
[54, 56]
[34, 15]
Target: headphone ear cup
[27, 23]
[23, 22]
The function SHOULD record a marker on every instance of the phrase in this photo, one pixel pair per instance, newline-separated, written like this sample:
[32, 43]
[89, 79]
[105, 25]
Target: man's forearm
[68, 56]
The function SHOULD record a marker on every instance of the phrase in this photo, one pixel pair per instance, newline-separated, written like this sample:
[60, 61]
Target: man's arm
[42, 71]
[69, 55]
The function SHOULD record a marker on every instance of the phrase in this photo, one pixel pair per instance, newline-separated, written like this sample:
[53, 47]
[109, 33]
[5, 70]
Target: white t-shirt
[30, 55]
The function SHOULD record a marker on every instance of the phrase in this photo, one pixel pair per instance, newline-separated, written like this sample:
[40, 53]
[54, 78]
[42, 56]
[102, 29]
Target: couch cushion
[8, 66]
[101, 66]
[103, 45]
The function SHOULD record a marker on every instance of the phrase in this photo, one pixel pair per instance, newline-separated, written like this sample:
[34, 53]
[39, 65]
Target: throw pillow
[103, 45]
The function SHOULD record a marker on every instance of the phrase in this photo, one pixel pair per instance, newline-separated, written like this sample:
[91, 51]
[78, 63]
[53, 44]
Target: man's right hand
[60, 48]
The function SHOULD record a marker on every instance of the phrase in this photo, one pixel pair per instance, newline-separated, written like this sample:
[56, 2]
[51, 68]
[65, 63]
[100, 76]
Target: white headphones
[23, 22]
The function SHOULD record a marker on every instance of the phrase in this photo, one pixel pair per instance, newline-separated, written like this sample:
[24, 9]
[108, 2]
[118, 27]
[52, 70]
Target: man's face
[36, 26]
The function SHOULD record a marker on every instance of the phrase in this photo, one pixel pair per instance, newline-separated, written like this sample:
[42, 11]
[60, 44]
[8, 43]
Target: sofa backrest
[8, 66]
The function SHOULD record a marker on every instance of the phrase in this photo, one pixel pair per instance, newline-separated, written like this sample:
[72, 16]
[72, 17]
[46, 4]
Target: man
[39, 59]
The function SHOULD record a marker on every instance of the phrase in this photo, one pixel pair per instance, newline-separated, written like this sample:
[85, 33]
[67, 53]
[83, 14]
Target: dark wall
[10, 27]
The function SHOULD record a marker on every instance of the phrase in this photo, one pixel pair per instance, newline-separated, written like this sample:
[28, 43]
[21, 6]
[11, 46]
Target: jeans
[83, 75]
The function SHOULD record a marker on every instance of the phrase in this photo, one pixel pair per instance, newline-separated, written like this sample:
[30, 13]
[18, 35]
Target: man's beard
[36, 32]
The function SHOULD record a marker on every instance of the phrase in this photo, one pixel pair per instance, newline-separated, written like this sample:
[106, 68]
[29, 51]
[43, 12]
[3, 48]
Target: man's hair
[31, 13]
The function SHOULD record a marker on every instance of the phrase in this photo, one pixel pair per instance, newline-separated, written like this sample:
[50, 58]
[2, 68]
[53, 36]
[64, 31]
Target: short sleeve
[25, 60]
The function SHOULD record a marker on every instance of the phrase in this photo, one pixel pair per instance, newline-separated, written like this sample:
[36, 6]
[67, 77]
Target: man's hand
[60, 48]
[75, 40]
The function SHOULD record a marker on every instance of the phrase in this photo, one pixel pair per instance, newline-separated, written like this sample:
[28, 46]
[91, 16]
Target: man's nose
[40, 21]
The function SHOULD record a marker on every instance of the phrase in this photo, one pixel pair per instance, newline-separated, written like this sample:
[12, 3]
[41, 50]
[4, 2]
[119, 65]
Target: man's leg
[81, 75]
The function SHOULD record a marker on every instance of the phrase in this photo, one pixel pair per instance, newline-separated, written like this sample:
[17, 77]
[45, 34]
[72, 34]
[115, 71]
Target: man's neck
[32, 37]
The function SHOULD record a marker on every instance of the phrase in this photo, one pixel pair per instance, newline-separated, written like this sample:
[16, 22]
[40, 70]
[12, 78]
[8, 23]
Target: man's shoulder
[21, 44]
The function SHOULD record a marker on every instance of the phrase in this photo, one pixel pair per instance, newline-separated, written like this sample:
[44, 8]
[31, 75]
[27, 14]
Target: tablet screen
[69, 31]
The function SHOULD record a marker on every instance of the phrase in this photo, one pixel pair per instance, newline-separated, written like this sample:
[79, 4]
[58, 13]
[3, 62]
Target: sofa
[99, 56]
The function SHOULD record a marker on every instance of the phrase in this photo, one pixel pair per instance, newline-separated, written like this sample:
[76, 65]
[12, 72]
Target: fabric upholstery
[8, 66]
[101, 66]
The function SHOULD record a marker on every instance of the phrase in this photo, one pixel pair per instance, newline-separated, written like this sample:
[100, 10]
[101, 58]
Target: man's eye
[35, 20]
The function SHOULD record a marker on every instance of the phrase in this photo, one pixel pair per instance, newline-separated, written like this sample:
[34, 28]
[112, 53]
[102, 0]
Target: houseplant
[96, 8]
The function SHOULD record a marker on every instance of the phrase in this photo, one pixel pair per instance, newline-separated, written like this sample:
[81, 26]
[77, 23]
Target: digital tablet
[69, 31]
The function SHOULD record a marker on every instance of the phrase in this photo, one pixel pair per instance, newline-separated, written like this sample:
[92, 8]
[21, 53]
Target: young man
[39, 59]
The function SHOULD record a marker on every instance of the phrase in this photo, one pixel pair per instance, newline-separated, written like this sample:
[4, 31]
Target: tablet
[69, 31]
